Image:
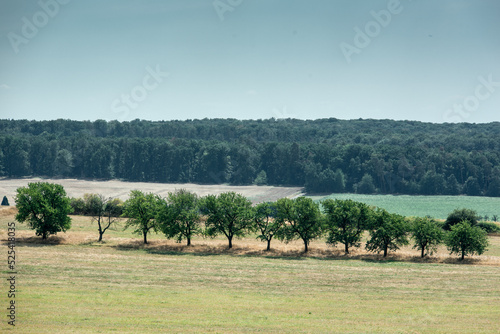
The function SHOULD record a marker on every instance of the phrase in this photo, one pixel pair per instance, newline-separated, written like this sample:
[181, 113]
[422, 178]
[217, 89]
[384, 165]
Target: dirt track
[114, 188]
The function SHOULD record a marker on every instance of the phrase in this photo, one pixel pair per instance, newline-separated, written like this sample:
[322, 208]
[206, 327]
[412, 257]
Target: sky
[424, 60]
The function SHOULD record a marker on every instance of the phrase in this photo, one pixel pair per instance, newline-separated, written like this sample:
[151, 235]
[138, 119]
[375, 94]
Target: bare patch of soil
[114, 188]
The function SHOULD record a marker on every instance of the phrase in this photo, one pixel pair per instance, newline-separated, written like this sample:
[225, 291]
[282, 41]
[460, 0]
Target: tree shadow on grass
[36, 241]
[160, 248]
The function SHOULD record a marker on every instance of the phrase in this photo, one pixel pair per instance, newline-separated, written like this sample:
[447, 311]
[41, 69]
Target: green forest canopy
[324, 155]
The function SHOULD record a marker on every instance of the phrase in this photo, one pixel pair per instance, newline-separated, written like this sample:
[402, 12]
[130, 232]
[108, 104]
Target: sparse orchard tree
[229, 214]
[102, 210]
[388, 232]
[141, 210]
[266, 222]
[427, 234]
[346, 222]
[179, 216]
[301, 219]
[5, 201]
[465, 239]
[45, 207]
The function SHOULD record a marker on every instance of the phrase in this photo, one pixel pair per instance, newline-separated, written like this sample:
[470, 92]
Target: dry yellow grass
[83, 232]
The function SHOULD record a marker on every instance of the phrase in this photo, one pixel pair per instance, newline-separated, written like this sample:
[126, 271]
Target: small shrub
[5, 201]
[489, 227]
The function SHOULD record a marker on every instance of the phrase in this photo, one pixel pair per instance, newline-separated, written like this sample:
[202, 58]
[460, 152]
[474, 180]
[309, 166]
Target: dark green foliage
[427, 235]
[5, 201]
[459, 215]
[266, 222]
[489, 227]
[261, 178]
[387, 232]
[45, 207]
[141, 210]
[301, 219]
[346, 222]
[179, 216]
[465, 239]
[366, 186]
[78, 206]
[324, 155]
[229, 214]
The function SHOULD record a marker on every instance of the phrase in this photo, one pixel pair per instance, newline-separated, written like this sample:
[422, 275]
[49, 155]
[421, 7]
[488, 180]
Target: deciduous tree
[459, 215]
[465, 239]
[45, 207]
[141, 210]
[179, 215]
[346, 221]
[388, 232]
[301, 219]
[102, 210]
[266, 222]
[427, 235]
[229, 214]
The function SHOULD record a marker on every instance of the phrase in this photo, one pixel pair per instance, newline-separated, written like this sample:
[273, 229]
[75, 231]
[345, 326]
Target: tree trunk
[463, 255]
[346, 248]
[230, 239]
[385, 251]
[100, 236]
[44, 236]
[188, 241]
[145, 237]
[268, 245]
[305, 246]
[423, 251]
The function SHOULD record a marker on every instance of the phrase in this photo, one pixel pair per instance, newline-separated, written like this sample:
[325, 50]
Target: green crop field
[435, 206]
[73, 284]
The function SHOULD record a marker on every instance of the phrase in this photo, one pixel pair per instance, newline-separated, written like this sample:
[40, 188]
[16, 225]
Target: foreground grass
[101, 289]
[435, 206]
[74, 285]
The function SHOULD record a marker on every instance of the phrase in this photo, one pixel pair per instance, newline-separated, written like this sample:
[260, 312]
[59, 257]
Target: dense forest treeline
[325, 155]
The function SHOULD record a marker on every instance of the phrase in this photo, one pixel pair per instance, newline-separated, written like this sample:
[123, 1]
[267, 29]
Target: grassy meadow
[72, 284]
[435, 206]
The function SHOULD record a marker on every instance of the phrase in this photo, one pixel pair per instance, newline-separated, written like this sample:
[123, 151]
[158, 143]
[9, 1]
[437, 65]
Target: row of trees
[183, 215]
[362, 156]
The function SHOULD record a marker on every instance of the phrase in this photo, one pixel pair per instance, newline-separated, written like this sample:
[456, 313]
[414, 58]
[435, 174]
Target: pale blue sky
[267, 58]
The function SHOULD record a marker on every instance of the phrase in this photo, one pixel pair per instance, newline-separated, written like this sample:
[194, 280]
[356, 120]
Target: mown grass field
[435, 206]
[73, 284]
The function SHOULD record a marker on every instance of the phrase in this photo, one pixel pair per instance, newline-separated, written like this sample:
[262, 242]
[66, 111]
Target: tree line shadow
[159, 248]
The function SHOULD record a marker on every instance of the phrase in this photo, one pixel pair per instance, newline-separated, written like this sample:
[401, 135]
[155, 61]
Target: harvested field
[120, 189]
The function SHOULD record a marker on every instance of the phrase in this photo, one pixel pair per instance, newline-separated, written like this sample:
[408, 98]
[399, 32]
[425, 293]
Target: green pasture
[435, 206]
[106, 289]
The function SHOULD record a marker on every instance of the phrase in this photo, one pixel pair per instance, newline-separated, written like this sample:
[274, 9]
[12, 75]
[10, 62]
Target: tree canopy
[45, 207]
[301, 219]
[427, 235]
[265, 215]
[229, 214]
[179, 215]
[141, 210]
[388, 231]
[465, 239]
[346, 222]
